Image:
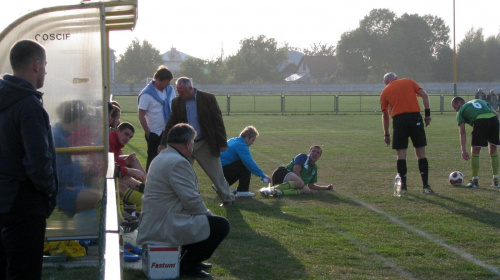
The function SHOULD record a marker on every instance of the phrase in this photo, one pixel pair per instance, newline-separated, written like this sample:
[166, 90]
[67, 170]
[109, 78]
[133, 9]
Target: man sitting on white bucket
[173, 212]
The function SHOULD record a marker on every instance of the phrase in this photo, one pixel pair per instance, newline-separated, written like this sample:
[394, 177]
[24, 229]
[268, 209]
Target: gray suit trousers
[213, 168]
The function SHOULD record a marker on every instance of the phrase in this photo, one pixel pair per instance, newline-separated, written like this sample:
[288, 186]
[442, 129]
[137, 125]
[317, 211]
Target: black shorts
[484, 131]
[408, 125]
[279, 175]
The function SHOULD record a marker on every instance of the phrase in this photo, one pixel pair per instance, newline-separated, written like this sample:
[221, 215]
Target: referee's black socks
[402, 169]
[423, 166]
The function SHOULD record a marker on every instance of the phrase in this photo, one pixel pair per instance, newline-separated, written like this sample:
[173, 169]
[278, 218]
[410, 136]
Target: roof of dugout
[119, 15]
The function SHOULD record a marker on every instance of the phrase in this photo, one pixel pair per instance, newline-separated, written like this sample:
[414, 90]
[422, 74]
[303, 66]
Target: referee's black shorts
[408, 125]
[484, 131]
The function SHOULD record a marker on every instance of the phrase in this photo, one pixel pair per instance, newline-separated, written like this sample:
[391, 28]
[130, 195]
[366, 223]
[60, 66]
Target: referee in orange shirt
[400, 98]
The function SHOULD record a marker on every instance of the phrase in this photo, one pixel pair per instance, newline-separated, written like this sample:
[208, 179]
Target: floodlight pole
[454, 55]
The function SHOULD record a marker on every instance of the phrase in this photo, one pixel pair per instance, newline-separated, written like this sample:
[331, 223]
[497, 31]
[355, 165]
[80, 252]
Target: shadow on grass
[467, 210]
[327, 197]
[254, 252]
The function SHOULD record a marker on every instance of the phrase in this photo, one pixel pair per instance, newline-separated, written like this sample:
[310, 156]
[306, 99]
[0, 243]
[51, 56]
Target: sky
[207, 29]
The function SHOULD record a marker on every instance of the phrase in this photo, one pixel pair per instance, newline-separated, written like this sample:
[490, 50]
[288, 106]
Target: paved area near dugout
[91, 259]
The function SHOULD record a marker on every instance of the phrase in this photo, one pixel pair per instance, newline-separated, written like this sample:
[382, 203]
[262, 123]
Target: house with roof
[314, 69]
[290, 66]
[173, 59]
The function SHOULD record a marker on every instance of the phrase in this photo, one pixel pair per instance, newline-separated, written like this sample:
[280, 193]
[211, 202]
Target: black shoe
[204, 266]
[198, 273]
[427, 190]
[404, 188]
[141, 187]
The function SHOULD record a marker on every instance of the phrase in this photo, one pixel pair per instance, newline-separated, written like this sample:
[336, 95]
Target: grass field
[359, 231]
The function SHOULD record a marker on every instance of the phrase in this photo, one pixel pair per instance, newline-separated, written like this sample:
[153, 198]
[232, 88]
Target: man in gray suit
[173, 211]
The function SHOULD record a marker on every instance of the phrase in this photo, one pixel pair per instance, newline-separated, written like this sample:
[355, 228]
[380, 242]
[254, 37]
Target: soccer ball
[456, 178]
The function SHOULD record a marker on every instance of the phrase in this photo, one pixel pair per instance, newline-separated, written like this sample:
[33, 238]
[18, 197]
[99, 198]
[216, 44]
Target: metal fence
[317, 104]
[305, 89]
[304, 104]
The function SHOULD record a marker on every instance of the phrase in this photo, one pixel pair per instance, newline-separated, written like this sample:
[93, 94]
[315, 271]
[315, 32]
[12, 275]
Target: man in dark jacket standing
[201, 110]
[28, 180]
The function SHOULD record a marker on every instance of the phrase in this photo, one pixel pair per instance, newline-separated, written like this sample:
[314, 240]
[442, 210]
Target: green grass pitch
[360, 230]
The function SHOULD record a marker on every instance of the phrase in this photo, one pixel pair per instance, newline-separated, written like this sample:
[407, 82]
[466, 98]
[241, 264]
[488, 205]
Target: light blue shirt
[237, 149]
[192, 116]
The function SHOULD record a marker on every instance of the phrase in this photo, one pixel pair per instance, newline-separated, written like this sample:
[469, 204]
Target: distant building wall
[443, 88]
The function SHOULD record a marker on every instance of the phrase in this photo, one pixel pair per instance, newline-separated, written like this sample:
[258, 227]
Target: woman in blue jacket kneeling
[238, 164]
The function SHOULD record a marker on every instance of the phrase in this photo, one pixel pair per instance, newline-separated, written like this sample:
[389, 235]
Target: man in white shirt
[154, 104]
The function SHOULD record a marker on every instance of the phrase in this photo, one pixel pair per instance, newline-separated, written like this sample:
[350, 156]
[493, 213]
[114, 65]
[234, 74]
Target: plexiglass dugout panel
[75, 98]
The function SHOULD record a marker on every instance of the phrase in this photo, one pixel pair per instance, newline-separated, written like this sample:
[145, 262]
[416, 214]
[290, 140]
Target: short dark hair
[114, 102]
[110, 106]
[115, 111]
[24, 53]
[181, 133]
[457, 99]
[163, 73]
[318, 147]
[72, 110]
[125, 125]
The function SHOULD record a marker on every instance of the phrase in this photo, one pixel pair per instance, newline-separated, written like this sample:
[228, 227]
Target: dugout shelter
[76, 38]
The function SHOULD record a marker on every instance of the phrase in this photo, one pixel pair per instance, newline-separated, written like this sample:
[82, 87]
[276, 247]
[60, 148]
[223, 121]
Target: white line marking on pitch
[354, 240]
[428, 236]
[409, 227]
[365, 247]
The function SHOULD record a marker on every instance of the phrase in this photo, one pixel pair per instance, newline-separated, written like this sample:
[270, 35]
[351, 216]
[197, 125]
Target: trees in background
[353, 56]
[491, 58]
[205, 71]
[320, 50]
[478, 59]
[412, 46]
[138, 62]
[257, 61]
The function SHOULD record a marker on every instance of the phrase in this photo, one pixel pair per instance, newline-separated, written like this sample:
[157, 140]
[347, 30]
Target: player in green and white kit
[298, 177]
[484, 120]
